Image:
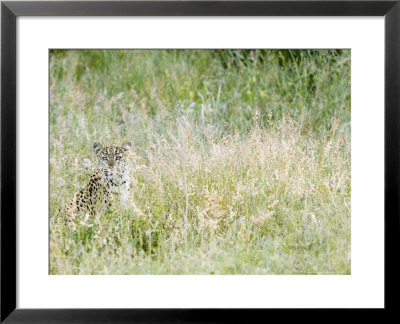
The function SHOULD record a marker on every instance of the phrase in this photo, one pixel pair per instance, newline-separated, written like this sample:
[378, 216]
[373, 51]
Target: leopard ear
[127, 145]
[97, 147]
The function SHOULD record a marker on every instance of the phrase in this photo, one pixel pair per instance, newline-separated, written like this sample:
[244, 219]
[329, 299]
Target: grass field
[241, 160]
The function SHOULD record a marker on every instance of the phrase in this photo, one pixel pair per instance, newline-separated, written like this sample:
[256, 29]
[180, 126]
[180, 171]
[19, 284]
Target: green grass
[241, 160]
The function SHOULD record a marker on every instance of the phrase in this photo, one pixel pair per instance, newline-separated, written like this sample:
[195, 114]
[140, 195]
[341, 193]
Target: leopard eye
[104, 158]
[118, 158]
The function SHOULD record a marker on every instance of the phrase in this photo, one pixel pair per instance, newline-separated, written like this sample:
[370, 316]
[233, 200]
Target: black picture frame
[9, 13]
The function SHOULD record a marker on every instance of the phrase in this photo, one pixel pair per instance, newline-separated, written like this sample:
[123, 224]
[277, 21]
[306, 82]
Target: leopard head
[112, 159]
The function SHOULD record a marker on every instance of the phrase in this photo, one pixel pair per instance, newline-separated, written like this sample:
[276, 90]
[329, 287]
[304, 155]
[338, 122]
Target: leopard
[111, 178]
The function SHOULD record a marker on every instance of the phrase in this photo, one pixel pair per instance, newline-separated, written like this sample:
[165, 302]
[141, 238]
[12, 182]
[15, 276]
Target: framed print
[177, 161]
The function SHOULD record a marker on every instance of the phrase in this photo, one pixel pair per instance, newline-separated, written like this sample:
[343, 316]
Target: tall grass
[241, 160]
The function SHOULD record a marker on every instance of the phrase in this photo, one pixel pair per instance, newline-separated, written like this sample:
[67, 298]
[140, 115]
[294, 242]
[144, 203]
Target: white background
[363, 288]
